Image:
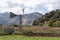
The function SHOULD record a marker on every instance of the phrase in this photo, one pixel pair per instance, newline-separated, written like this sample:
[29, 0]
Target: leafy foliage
[50, 18]
[50, 23]
[57, 24]
[35, 22]
[9, 31]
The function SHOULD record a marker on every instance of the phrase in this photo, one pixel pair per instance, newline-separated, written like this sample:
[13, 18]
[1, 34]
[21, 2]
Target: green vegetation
[57, 23]
[19, 37]
[9, 31]
[13, 25]
[50, 18]
[50, 23]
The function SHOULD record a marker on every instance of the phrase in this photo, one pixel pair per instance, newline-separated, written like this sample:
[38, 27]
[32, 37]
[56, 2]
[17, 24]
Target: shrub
[27, 32]
[56, 24]
[50, 23]
[9, 31]
[35, 22]
[13, 25]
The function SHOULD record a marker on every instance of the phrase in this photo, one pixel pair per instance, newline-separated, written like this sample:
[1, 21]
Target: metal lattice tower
[22, 18]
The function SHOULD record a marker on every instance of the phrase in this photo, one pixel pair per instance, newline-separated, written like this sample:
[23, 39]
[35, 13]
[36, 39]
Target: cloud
[41, 6]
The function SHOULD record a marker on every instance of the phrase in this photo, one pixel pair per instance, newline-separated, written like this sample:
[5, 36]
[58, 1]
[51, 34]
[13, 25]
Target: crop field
[37, 29]
[20, 37]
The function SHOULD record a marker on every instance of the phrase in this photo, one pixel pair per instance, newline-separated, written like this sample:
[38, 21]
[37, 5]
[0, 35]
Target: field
[19, 37]
[34, 29]
[37, 29]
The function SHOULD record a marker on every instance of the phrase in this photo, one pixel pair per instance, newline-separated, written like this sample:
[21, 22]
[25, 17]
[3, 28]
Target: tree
[50, 17]
[35, 22]
[50, 23]
[56, 24]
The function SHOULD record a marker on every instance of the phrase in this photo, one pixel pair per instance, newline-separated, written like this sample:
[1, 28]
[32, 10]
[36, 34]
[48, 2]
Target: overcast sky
[41, 6]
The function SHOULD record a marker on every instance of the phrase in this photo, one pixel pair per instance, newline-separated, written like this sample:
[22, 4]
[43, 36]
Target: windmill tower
[22, 18]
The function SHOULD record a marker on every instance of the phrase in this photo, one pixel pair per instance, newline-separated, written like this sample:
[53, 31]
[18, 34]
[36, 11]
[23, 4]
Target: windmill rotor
[12, 15]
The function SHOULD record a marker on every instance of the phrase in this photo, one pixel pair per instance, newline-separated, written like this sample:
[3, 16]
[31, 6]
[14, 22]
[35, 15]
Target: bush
[56, 24]
[35, 22]
[26, 32]
[9, 31]
[13, 25]
[50, 23]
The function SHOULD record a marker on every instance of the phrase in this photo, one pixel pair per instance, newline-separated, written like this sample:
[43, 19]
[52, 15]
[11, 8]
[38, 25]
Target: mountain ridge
[5, 18]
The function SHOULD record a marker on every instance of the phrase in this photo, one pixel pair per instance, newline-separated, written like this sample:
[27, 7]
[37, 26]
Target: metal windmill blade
[12, 15]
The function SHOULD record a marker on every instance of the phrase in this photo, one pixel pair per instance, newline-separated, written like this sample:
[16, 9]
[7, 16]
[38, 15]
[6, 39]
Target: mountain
[4, 18]
[31, 17]
[11, 18]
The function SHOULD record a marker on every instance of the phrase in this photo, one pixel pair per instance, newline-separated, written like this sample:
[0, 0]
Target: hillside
[4, 18]
[49, 18]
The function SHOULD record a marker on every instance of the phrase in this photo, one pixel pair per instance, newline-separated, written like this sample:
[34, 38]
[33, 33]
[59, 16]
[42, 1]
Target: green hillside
[51, 18]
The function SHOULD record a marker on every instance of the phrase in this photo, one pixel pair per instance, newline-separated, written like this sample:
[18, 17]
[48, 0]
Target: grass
[19, 37]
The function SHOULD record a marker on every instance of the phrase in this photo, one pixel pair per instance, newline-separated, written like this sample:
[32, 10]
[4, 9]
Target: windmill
[21, 17]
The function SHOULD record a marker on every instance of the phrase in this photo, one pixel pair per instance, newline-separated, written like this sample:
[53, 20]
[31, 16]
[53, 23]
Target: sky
[42, 6]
